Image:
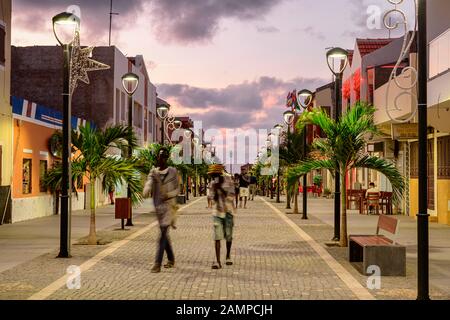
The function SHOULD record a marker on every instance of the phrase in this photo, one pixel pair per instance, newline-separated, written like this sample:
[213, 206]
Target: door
[430, 187]
[1, 165]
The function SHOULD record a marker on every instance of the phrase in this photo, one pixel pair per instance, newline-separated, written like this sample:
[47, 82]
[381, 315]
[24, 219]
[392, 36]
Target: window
[137, 116]
[118, 106]
[123, 108]
[439, 55]
[444, 157]
[26, 176]
[150, 124]
[2, 43]
[414, 160]
[42, 173]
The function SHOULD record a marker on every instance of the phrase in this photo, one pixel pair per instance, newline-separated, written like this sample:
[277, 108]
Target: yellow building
[6, 149]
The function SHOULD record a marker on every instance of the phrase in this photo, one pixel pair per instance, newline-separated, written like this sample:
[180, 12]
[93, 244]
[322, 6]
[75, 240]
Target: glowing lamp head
[163, 111]
[305, 98]
[130, 83]
[288, 117]
[337, 59]
[278, 127]
[177, 124]
[65, 27]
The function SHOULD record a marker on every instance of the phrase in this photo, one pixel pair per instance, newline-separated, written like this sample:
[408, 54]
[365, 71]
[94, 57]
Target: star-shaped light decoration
[81, 64]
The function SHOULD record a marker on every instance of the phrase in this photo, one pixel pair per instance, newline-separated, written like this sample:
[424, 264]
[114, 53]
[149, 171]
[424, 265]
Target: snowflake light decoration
[81, 63]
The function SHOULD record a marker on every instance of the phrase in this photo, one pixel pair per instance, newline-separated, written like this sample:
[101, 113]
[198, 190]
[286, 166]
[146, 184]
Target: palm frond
[305, 167]
[116, 171]
[388, 169]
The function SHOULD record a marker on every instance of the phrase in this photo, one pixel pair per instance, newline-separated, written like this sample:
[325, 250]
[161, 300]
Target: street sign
[405, 131]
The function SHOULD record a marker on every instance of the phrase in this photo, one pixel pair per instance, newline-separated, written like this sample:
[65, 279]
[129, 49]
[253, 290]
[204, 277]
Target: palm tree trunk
[92, 238]
[343, 239]
[295, 198]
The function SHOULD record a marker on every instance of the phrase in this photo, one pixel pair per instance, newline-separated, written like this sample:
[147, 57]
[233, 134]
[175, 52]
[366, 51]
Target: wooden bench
[379, 250]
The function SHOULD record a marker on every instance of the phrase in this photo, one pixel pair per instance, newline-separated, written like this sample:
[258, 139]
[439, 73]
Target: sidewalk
[323, 210]
[23, 241]
[276, 256]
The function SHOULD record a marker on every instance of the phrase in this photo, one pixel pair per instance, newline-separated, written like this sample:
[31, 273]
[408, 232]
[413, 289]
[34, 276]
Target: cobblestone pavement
[271, 261]
[391, 287]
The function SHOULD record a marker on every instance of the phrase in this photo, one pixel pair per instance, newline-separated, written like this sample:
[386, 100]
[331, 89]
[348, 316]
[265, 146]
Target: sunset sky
[229, 63]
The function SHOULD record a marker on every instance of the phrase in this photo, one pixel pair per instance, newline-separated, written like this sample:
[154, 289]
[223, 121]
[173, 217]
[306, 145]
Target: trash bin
[123, 208]
[181, 199]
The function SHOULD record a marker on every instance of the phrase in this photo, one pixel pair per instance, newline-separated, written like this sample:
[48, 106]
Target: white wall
[404, 101]
[120, 68]
[38, 207]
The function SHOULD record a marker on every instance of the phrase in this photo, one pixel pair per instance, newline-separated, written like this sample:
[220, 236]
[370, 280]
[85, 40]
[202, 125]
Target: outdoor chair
[372, 202]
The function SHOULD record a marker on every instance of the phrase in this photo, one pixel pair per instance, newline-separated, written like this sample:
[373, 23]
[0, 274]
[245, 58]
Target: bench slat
[387, 223]
[371, 240]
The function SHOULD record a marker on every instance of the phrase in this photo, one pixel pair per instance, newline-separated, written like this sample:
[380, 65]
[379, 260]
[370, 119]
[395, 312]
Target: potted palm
[344, 149]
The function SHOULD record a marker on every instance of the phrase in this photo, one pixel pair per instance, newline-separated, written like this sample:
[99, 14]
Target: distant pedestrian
[223, 212]
[111, 193]
[162, 185]
[244, 193]
[236, 179]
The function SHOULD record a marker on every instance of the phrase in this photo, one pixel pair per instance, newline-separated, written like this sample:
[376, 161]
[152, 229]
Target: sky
[228, 63]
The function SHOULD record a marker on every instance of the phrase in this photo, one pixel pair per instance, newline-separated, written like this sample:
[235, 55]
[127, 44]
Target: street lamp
[163, 112]
[278, 127]
[269, 154]
[65, 27]
[130, 83]
[337, 59]
[177, 123]
[305, 98]
[196, 142]
[288, 117]
[423, 216]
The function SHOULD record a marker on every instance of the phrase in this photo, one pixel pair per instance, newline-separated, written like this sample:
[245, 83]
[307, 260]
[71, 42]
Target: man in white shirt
[372, 189]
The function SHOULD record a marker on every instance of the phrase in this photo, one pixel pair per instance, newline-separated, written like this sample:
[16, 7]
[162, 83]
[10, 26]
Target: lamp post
[278, 127]
[337, 59]
[305, 98]
[65, 27]
[163, 112]
[423, 216]
[288, 117]
[130, 83]
[269, 146]
[196, 141]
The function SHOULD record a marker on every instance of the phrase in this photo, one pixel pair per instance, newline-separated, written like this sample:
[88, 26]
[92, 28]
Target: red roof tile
[367, 46]
[350, 57]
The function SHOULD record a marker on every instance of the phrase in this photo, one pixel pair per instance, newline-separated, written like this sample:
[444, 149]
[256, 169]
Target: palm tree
[344, 149]
[146, 158]
[291, 151]
[93, 160]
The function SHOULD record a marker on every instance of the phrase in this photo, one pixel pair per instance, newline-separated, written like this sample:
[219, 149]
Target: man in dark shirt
[244, 182]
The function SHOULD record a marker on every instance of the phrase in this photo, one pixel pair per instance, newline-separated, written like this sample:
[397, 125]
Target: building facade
[37, 76]
[34, 154]
[6, 145]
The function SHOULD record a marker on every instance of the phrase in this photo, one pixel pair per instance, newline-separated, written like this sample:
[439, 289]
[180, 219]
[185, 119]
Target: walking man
[244, 193]
[223, 212]
[162, 185]
[236, 180]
